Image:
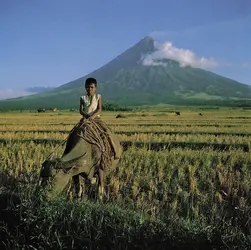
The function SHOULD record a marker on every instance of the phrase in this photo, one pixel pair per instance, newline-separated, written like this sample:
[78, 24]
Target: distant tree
[114, 107]
[39, 110]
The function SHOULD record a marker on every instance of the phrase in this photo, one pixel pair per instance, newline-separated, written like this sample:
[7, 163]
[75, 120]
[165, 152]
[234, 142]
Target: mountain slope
[126, 81]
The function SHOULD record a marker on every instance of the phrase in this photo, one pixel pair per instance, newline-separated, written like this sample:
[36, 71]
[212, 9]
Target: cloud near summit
[184, 56]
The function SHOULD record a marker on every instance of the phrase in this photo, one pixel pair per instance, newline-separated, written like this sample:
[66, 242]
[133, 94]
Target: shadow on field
[9, 209]
[10, 216]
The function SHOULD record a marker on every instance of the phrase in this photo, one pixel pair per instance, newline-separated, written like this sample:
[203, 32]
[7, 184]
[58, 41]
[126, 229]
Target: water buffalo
[83, 157]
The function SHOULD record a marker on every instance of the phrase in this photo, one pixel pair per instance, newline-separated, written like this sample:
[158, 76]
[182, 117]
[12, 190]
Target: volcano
[127, 81]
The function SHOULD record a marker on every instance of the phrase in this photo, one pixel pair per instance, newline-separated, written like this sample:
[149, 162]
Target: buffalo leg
[96, 154]
[79, 183]
[100, 184]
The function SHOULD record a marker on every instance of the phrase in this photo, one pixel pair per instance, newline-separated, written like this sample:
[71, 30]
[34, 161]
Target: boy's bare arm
[81, 109]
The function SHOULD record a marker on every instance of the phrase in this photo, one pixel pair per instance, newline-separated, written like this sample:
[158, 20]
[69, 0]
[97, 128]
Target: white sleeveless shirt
[90, 107]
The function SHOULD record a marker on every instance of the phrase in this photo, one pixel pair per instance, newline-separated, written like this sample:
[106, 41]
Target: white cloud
[12, 93]
[184, 56]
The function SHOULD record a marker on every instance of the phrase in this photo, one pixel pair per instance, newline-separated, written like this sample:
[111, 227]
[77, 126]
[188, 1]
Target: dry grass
[205, 185]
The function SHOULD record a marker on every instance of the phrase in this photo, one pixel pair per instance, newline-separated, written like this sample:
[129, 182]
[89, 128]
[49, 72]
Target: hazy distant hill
[126, 81]
[39, 89]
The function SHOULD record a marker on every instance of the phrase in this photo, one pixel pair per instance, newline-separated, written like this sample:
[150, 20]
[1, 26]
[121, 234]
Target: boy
[91, 107]
[91, 103]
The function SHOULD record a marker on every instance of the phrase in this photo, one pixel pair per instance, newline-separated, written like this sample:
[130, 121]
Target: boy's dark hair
[90, 81]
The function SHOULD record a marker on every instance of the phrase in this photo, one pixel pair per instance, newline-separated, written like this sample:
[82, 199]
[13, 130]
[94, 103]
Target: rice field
[189, 174]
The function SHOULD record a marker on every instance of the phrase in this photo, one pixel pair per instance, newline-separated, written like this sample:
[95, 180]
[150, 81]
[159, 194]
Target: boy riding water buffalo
[91, 148]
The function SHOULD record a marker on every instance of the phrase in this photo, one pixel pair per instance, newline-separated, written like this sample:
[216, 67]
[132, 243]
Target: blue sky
[51, 42]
